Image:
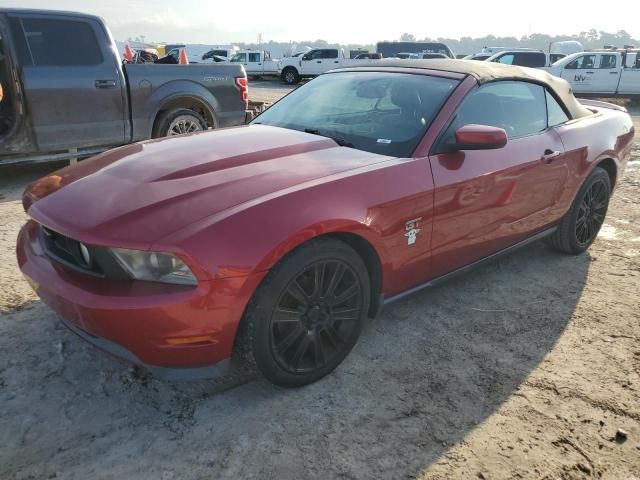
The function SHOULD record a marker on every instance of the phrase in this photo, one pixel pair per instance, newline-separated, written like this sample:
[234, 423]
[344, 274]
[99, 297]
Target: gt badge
[412, 230]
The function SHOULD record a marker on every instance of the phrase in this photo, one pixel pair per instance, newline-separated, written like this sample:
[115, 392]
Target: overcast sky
[220, 21]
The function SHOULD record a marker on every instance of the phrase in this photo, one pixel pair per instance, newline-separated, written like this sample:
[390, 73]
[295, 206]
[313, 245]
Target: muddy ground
[524, 368]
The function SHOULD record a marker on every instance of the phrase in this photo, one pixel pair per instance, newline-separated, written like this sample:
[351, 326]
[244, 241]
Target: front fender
[375, 204]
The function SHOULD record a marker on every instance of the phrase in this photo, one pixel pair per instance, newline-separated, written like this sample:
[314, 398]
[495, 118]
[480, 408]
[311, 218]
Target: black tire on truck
[178, 122]
[290, 76]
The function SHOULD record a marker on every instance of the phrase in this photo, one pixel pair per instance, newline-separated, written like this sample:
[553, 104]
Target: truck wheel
[290, 76]
[179, 122]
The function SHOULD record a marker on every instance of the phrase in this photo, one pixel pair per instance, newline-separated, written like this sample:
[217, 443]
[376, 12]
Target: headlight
[154, 266]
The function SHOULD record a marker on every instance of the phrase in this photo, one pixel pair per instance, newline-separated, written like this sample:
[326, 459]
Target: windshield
[379, 112]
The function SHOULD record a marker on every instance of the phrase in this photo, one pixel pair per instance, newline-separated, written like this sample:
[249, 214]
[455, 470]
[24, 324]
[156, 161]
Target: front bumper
[140, 321]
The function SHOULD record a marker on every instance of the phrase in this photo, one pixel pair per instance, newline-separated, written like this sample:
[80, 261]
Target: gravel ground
[526, 368]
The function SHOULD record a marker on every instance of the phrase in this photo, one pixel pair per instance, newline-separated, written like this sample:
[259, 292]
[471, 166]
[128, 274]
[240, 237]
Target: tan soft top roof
[485, 72]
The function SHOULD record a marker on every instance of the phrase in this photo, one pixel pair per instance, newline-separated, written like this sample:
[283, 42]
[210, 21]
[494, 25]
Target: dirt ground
[524, 368]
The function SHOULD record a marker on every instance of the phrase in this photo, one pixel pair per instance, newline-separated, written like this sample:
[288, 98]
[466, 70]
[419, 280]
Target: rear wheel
[290, 76]
[581, 224]
[179, 122]
[308, 313]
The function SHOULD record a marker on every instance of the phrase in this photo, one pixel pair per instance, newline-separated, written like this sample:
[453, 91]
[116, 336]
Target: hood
[135, 195]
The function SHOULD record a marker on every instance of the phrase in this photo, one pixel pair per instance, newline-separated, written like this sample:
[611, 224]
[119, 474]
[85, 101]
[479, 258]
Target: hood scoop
[246, 159]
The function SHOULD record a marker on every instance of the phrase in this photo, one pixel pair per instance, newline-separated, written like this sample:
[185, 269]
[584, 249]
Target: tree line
[590, 39]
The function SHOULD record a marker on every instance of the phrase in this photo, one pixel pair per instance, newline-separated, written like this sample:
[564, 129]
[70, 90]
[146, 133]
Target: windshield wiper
[339, 140]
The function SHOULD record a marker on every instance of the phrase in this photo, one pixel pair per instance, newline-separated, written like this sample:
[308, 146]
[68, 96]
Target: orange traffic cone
[128, 53]
[183, 57]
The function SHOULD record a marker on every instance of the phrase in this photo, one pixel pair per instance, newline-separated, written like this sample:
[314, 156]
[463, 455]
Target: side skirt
[466, 268]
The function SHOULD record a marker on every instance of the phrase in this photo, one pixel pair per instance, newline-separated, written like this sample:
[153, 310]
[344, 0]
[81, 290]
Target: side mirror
[480, 137]
[306, 57]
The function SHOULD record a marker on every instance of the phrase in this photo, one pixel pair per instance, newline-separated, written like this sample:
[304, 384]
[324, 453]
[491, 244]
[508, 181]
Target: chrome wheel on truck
[290, 76]
[184, 124]
[180, 121]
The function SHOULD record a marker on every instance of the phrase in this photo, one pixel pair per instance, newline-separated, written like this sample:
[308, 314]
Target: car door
[579, 73]
[254, 63]
[605, 77]
[240, 58]
[331, 59]
[75, 92]
[630, 74]
[487, 200]
[311, 62]
[16, 136]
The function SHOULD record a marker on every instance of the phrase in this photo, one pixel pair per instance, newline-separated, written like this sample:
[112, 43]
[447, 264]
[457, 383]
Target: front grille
[67, 251]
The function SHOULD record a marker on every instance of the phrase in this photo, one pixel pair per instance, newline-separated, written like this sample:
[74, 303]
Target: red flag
[128, 53]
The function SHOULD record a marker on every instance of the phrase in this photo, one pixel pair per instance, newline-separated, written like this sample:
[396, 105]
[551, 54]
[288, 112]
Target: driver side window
[517, 107]
[581, 63]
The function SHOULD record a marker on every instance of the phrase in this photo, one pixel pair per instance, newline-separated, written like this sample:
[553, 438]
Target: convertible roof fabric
[485, 72]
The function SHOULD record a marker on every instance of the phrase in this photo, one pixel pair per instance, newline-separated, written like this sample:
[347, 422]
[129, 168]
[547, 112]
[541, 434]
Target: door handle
[588, 72]
[549, 155]
[613, 73]
[336, 61]
[318, 61]
[105, 84]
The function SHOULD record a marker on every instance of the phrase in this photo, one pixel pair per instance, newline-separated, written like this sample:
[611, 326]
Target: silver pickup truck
[66, 94]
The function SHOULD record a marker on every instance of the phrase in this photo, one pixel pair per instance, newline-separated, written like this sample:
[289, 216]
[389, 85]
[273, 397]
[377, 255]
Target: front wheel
[581, 224]
[290, 76]
[308, 313]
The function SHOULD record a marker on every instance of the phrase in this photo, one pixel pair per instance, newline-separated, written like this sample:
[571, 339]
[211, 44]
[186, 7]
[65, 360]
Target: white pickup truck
[312, 63]
[610, 73]
[256, 63]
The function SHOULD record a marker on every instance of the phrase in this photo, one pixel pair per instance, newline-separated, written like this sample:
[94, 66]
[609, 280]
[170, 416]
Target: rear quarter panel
[153, 86]
[608, 134]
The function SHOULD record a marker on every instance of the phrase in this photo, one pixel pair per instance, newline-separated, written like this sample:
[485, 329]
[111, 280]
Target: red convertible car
[274, 242]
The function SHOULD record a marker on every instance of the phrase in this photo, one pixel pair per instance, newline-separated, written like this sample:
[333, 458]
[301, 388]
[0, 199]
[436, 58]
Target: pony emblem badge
[412, 230]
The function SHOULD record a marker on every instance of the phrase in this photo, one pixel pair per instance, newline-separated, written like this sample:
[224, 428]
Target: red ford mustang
[274, 242]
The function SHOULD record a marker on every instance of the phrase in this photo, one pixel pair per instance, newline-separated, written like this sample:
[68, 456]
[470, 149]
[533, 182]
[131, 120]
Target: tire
[296, 333]
[173, 121]
[580, 226]
[290, 76]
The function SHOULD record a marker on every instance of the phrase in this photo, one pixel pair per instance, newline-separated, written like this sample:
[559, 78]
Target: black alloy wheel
[579, 227]
[307, 314]
[315, 316]
[591, 212]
